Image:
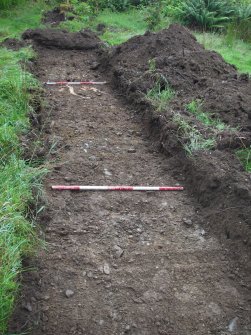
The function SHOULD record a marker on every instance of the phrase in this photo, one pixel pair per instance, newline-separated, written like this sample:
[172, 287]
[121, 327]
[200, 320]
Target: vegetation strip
[17, 177]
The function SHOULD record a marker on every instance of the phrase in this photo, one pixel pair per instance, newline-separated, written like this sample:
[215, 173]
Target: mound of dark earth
[215, 177]
[192, 71]
[60, 39]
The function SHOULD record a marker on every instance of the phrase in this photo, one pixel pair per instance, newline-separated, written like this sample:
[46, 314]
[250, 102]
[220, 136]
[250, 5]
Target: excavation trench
[121, 263]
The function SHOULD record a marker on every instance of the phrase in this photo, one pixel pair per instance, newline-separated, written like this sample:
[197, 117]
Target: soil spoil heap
[192, 71]
[173, 58]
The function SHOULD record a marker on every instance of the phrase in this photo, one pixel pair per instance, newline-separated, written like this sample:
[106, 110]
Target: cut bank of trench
[133, 265]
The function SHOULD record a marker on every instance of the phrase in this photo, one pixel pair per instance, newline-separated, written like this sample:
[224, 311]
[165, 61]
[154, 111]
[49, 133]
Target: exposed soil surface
[131, 263]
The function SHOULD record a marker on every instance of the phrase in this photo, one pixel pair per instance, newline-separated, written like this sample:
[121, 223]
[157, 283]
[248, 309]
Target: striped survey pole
[55, 83]
[116, 188]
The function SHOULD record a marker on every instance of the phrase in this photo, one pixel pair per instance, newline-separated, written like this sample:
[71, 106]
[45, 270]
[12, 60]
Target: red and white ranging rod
[75, 83]
[117, 188]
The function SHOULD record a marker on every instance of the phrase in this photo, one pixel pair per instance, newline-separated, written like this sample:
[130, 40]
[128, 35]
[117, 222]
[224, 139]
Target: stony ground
[120, 263]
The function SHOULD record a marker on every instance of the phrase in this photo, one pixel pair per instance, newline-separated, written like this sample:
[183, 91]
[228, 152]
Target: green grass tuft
[14, 21]
[17, 177]
[244, 156]
[119, 26]
[193, 139]
[195, 107]
[234, 51]
[161, 95]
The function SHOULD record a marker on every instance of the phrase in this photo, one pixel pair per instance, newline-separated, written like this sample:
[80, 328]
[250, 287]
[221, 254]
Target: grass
[6, 4]
[17, 177]
[244, 156]
[194, 140]
[195, 107]
[161, 95]
[14, 21]
[120, 26]
[234, 51]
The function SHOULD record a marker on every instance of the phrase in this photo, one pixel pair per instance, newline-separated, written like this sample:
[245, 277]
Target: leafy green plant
[161, 94]
[206, 14]
[82, 9]
[154, 15]
[172, 8]
[193, 139]
[152, 65]
[240, 26]
[5, 4]
[244, 156]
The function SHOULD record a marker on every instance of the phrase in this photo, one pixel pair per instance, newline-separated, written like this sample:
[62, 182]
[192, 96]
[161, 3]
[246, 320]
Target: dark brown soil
[51, 38]
[14, 44]
[132, 263]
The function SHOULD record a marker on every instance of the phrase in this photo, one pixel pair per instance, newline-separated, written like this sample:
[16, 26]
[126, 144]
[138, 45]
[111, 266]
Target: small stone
[188, 222]
[89, 274]
[233, 325]
[127, 328]
[94, 65]
[118, 251]
[69, 293]
[69, 179]
[107, 269]
[28, 307]
[131, 150]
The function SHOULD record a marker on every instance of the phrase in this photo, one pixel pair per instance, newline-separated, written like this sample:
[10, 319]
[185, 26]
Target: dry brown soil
[130, 263]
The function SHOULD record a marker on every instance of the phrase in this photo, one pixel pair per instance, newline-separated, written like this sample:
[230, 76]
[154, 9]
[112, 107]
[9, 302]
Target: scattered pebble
[69, 293]
[89, 274]
[118, 251]
[188, 222]
[107, 173]
[46, 297]
[131, 150]
[107, 269]
[28, 307]
[232, 327]
[94, 65]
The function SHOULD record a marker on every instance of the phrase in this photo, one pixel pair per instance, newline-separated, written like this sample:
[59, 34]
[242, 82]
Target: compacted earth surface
[139, 263]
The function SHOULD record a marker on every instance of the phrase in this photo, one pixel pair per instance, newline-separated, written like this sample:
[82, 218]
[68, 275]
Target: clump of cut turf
[194, 139]
[196, 108]
[17, 177]
[161, 94]
[244, 156]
